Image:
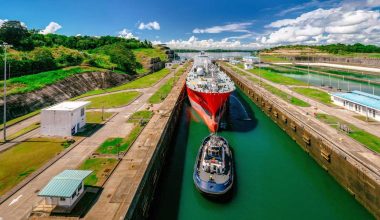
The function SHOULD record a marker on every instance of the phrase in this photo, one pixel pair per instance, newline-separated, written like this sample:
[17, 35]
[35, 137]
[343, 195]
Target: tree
[13, 32]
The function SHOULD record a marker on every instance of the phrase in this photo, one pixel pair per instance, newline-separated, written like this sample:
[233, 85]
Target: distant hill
[339, 49]
[210, 50]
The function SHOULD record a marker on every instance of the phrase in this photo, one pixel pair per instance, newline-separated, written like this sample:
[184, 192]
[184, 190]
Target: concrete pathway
[340, 66]
[19, 205]
[344, 114]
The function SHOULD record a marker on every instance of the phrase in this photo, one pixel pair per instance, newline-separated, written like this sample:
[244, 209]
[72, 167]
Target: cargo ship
[208, 89]
[214, 169]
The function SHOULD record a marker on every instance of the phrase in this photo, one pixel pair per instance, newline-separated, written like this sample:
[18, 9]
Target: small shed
[65, 190]
[248, 66]
[64, 119]
[360, 102]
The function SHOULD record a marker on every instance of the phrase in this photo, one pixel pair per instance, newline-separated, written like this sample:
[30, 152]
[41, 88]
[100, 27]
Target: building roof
[64, 184]
[361, 98]
[250, 57]
[68, 106]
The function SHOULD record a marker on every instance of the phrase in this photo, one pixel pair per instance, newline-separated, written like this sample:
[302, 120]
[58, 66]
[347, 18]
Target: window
[82, 112]
[62, 198]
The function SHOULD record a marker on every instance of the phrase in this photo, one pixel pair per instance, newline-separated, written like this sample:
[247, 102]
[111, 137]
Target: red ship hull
[208, 106]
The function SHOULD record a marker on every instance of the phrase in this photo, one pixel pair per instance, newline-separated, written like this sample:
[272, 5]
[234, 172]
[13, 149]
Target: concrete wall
[139, 209]
[75, 85]
[163, 124]
[361, 181]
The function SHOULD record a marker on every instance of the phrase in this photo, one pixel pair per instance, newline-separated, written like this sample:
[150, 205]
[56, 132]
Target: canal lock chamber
[274, 178]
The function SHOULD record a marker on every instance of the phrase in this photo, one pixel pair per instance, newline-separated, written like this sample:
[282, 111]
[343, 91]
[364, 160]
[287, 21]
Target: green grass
[315, 94]
[24, 158]
[96, 117]
[24, 117]
[144, 115]
[364, 118]
[101, 167]
[272, 58]
[37, 81]
[143, 82]
[150, 52]
[115, 145]
[113, 100]
[370, 141]
[143, 56]
[276, 77]
[284, 96]
[22, 132]
[165, 89]
[162, 92]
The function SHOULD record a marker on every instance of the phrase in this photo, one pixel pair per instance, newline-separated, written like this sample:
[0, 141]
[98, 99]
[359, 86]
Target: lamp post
[5, 46]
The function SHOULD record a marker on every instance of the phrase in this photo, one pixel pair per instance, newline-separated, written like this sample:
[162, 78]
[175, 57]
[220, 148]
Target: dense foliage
[332, 48]
[119, 55]
[33, 52]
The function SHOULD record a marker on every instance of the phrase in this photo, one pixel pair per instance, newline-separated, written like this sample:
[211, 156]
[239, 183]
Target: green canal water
[275, 178]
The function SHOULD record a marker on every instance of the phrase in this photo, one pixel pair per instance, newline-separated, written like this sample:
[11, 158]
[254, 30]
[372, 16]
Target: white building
[233, 61]
[64, 191]
[248, 66]
[64, 119]
[251, 59]
[363, 103]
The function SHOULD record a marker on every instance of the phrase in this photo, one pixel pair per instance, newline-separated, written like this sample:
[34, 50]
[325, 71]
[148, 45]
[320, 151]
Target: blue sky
[206, 24]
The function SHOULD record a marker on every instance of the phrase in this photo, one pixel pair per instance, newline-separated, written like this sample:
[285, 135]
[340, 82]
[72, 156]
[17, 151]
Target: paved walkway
[344, 114]
[340, 66]
[19, 205]
[122, 185]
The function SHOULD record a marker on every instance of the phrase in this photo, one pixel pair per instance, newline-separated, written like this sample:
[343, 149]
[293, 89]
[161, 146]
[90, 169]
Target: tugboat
[213, 170]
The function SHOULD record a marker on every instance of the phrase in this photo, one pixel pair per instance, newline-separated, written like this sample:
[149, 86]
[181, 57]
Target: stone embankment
[78, 84]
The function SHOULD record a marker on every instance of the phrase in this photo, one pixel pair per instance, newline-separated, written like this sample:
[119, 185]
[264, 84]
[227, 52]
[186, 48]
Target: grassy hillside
[34, 53]
[345, 50]
[33, 82]
[143, 56]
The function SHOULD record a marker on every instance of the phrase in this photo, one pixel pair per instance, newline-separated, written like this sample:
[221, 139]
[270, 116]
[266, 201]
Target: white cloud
[321, 26]
[235, 27]
[154, 25]
[194, 43]
[2, 22]
[313, 4]
[125, 33]
[51, 28]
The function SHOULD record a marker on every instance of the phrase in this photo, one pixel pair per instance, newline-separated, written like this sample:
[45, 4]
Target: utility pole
[5, 46]
[259, 69]
[308, 69]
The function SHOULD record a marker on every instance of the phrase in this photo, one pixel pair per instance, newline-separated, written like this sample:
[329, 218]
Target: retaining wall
[161, 129]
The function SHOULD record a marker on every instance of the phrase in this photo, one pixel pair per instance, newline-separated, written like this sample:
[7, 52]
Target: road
[19, 205]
